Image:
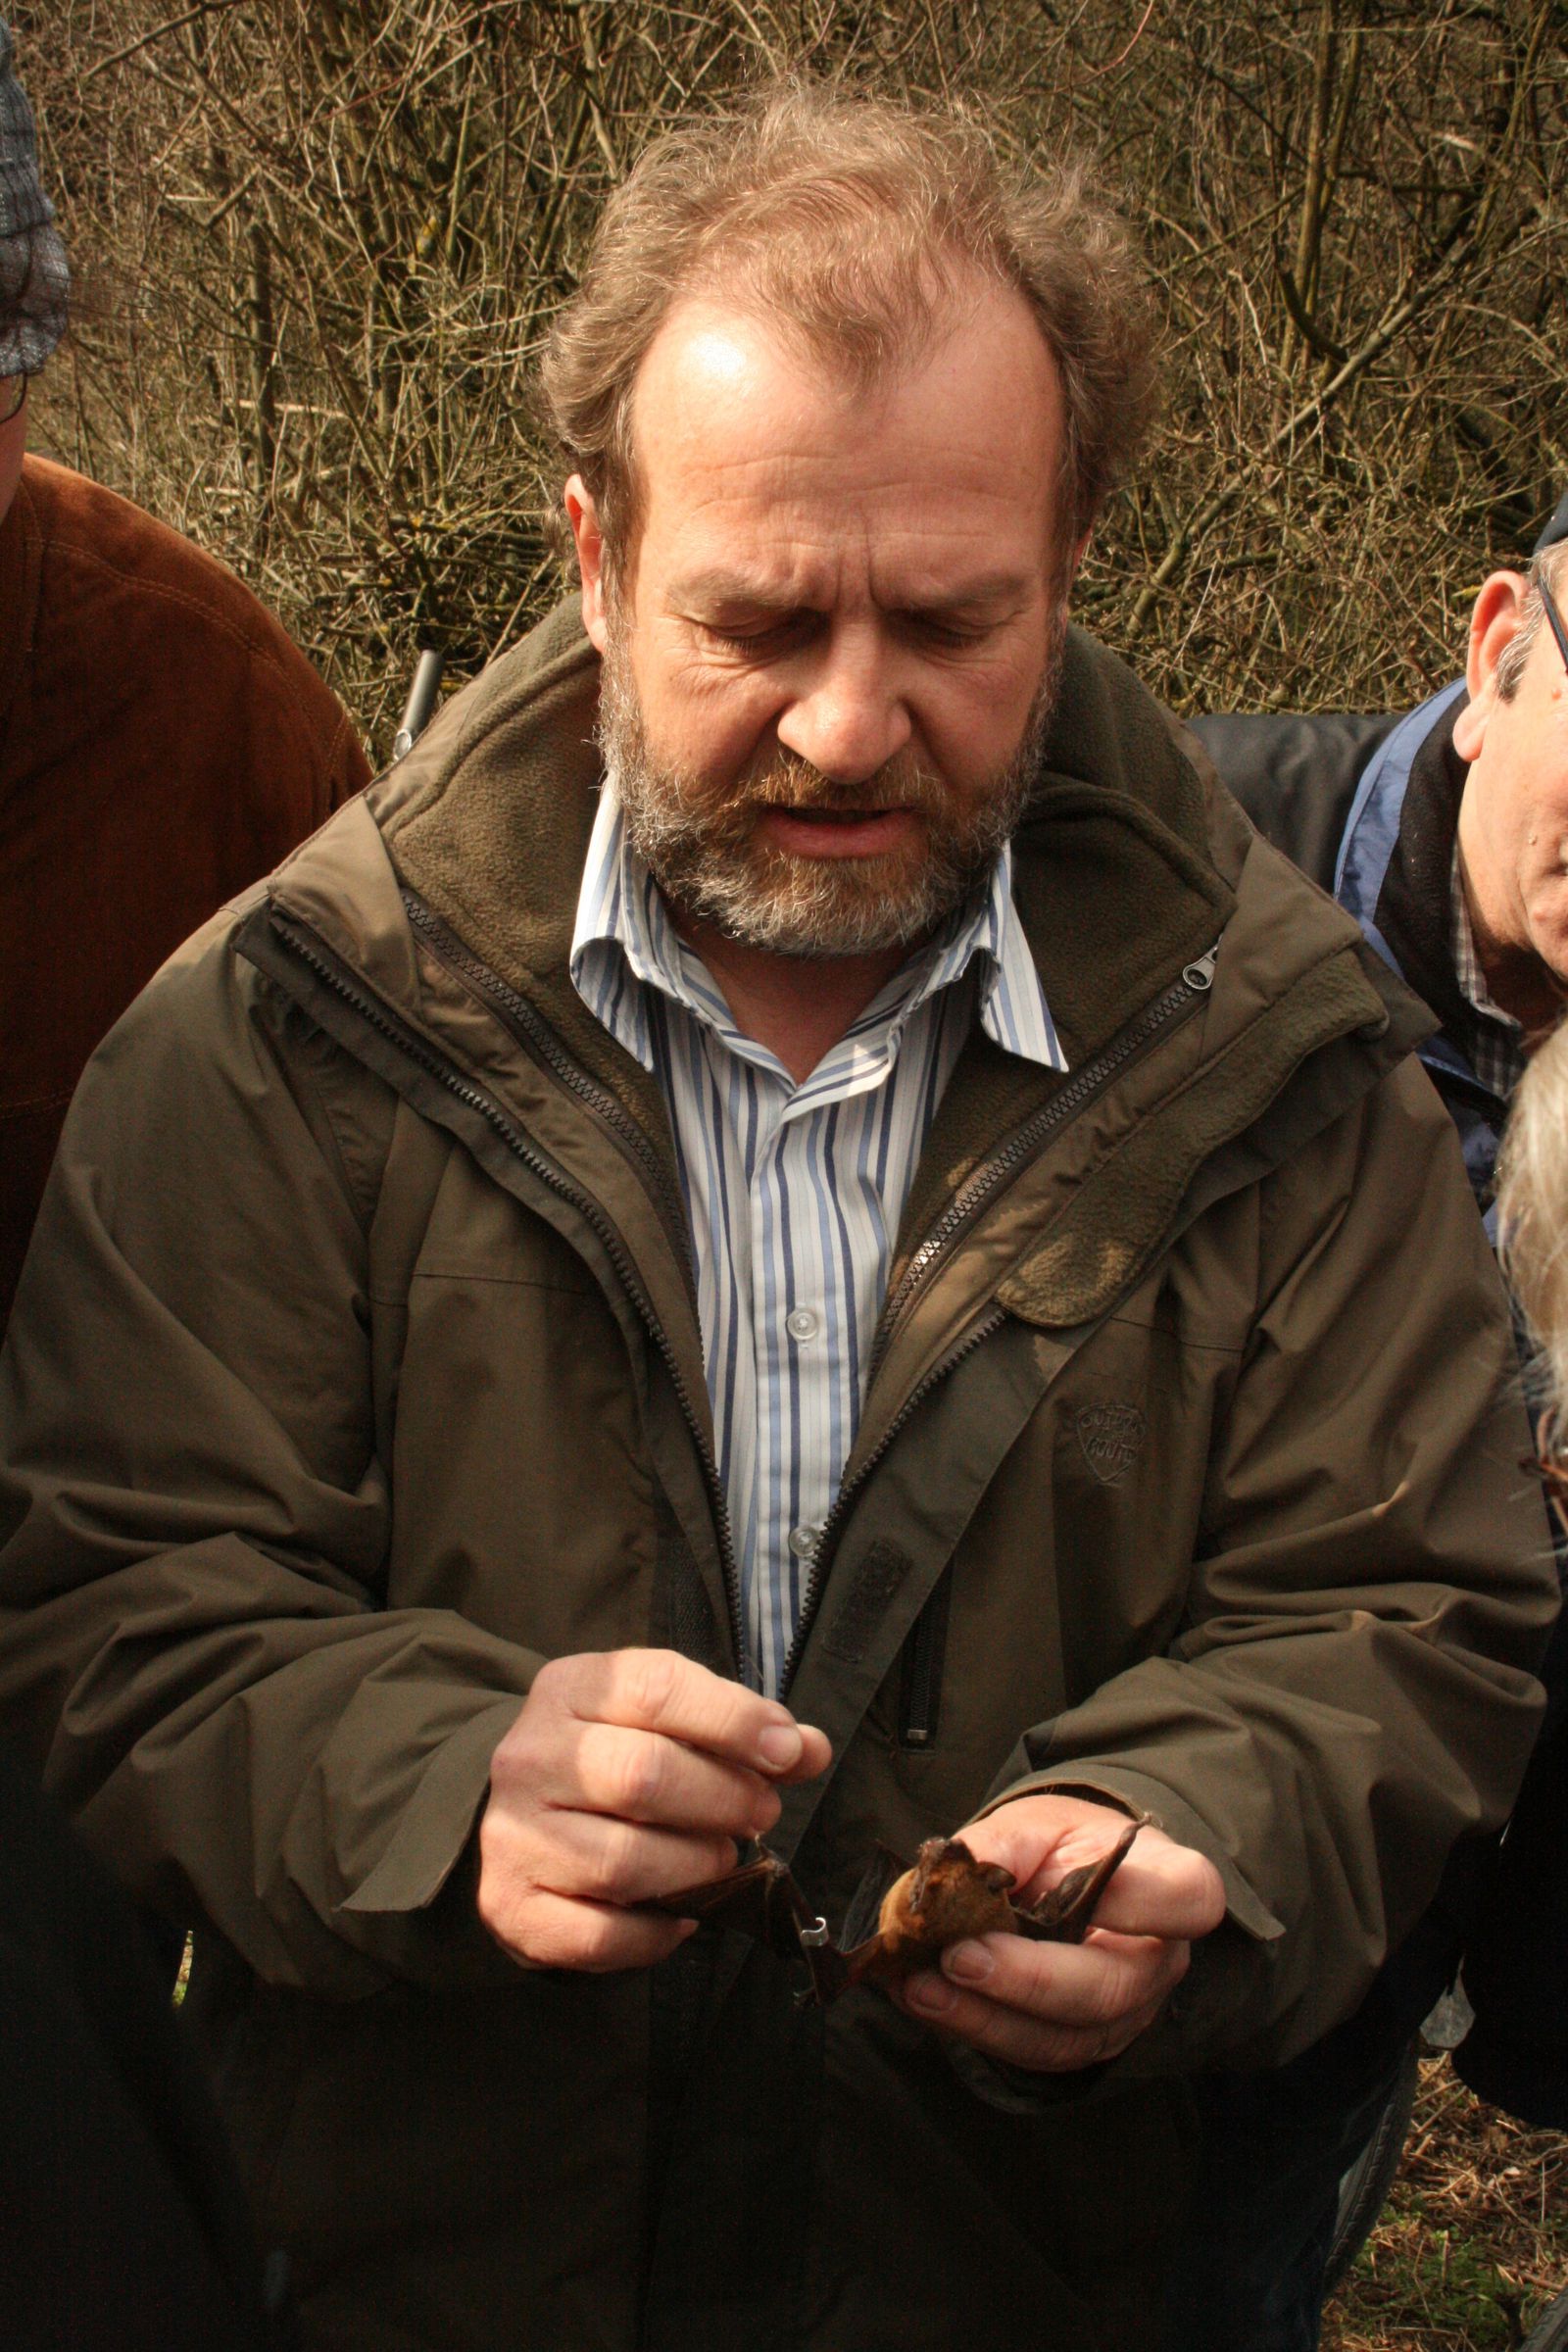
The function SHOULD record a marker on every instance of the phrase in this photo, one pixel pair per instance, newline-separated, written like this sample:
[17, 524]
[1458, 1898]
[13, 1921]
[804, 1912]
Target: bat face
[946, 1896]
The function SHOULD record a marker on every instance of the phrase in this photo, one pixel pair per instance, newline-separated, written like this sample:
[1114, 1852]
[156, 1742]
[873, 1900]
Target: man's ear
[1494, 623]
[587, 538]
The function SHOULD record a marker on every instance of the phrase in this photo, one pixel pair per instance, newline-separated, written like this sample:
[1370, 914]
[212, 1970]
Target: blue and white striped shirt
[793, 1192]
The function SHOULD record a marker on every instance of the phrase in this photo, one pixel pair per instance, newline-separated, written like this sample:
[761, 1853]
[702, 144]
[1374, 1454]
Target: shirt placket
[809, 1290]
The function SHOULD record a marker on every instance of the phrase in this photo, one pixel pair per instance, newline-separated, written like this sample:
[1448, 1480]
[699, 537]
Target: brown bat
[946, 1896]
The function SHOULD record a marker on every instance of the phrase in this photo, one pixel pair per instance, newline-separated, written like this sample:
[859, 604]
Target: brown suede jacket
[357, 1370]
[163, 744]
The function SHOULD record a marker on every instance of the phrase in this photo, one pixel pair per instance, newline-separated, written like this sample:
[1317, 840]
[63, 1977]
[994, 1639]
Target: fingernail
[779, 1746]
[970, 1963]
[929, 1995]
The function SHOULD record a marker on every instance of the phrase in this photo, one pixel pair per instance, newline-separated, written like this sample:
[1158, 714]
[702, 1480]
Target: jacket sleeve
[1352, 1689]
[196, 1503]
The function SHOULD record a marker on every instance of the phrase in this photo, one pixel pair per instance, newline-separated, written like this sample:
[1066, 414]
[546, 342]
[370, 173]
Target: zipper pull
[1199, 975]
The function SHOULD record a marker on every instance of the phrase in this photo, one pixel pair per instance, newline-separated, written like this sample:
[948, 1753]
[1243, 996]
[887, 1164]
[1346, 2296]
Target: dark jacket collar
[1127, 868]
[1394, 876]
[488, 819]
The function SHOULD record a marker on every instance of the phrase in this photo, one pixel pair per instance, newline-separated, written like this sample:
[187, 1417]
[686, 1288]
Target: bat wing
[759, 1899]
[1067, 1914]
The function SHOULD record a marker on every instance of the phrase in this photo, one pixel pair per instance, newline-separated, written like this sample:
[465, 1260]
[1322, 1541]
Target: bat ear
[999, 1877]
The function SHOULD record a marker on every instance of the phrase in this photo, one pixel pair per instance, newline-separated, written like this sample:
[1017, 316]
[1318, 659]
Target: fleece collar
[489, 820]
[1128, 867]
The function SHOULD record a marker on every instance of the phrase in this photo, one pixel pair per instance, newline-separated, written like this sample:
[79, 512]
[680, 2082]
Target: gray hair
[1533, 1217]
[34, 277]
[1548, 563]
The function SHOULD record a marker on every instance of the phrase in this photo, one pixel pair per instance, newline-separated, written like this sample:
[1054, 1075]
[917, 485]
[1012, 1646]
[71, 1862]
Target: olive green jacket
[355, 1370]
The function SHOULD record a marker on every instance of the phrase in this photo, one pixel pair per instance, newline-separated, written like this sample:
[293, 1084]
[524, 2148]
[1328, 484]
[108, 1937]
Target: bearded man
[857, 1259]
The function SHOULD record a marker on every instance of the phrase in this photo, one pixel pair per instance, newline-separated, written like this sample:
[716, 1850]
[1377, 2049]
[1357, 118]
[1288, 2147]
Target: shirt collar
[623, 932]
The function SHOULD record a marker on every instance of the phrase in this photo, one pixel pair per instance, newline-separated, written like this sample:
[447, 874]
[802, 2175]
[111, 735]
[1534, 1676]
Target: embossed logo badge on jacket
[1112, 1438]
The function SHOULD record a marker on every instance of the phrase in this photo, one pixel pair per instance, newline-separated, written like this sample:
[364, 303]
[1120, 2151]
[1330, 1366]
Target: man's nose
[848, 717]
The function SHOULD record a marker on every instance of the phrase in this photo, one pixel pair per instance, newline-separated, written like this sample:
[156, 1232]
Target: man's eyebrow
[715, 587]
[721, 587]
[981, 589]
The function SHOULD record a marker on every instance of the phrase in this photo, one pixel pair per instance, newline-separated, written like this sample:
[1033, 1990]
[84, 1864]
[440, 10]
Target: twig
[145, 41]
[1125, 54]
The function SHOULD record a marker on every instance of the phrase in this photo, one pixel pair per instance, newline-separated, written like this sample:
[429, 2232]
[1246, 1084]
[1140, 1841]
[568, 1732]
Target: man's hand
[1054, 2007]
[626, 1774]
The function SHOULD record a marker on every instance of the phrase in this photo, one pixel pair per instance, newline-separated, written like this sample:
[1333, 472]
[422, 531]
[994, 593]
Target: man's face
[826, 675]
[1513, 824]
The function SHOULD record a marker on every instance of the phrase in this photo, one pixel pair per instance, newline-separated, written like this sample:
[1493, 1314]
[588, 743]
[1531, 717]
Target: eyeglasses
[1554, 618]
[13, 392]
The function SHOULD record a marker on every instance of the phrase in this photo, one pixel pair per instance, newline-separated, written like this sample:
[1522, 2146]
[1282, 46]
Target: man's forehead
[716, 362]
[757, 468]
[776, 577]
[954, 295]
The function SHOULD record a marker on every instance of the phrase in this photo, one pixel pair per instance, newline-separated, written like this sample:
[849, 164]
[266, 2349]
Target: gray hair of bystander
[848, 224]
[1533, 1220]
[1550, 564]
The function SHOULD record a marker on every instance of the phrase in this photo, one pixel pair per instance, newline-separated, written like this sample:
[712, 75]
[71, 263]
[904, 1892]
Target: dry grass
[1474, 2241]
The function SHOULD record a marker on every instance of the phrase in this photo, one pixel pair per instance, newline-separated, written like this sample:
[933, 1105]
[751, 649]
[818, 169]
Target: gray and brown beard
[708, 856]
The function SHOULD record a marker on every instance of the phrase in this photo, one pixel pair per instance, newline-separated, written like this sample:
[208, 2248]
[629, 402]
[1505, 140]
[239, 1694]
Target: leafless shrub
[323, 239]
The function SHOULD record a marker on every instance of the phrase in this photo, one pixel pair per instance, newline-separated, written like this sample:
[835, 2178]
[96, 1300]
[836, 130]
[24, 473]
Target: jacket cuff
[421, 1897]
[1217, 2016]
[1136, 1796]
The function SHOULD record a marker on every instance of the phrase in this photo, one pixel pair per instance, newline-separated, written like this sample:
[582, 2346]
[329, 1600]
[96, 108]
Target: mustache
[791, 782]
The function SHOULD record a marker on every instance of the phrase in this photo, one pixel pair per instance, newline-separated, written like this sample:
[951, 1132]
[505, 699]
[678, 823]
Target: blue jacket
[1332, 792]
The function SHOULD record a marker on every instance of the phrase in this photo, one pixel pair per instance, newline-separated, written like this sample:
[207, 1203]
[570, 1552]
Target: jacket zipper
[1082, 1087]
[539, 1039]
[1182, 997]
[314, 953]
[832, 1525]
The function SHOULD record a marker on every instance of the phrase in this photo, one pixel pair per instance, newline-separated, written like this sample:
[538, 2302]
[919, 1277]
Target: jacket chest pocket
[922, 1665]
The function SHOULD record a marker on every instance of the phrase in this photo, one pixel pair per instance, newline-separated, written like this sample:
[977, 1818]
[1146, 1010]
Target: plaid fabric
[34, 279]
[1496, 1041]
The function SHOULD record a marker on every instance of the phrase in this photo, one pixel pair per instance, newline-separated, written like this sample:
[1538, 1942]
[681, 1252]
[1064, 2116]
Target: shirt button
[801, 1324]
[803, 1541]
